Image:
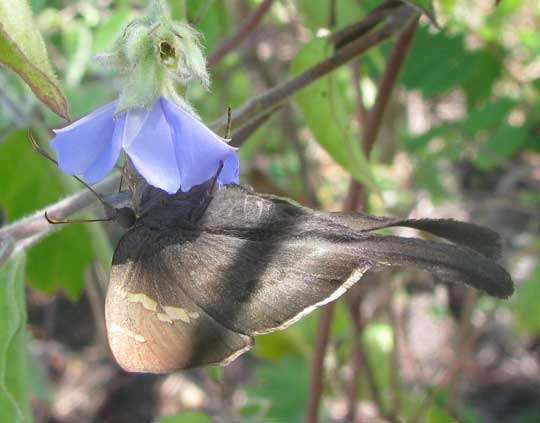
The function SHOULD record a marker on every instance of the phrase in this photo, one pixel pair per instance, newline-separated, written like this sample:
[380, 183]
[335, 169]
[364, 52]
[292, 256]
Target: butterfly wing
[258, 282]
[269, 261]
[152, 323]
[255, 264]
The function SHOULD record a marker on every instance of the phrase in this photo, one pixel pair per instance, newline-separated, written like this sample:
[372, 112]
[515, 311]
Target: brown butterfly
[193, 280]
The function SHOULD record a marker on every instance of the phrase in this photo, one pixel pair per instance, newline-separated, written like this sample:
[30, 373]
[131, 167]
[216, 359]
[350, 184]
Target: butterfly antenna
[41, 151]
[53, 221]
[198, 212]
[229, 123]
[216, 176]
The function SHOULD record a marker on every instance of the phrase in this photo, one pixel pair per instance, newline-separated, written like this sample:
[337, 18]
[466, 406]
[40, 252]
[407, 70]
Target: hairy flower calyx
[157, 56]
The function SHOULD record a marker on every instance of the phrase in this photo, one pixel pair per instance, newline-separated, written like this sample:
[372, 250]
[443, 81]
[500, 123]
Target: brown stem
[354, 302]
[371, 123]
[362, 115]
[352, 393]
[316, 383]
[386, 86]
[250, 24]
[372, 126]
[347, 51]
[243, 133]
[465, 346]
[395, 382]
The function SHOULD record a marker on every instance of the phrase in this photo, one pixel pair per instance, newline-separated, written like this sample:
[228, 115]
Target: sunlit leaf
[14, 400]
[31, 182]
[438, 415]
[324, 111]
[295, 341]
[22, 49]
[378, 342]
[525, 303]
[436, 63]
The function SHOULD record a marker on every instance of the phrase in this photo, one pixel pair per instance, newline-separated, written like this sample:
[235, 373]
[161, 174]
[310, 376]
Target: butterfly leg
[207, 196]
[229, 124]
[108, 207]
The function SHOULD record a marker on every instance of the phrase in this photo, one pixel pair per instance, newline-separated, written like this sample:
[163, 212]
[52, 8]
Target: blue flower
[169, 147]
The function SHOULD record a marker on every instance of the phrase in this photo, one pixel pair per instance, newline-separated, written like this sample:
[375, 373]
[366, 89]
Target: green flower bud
[154, 53]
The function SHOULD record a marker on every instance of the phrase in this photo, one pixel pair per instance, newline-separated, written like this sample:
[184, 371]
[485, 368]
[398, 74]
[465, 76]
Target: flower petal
[198, 149]
[148, 141]
[85, 146]
[106, 159]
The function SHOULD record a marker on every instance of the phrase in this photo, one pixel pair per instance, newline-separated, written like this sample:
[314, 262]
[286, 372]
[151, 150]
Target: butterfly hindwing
[152, 324]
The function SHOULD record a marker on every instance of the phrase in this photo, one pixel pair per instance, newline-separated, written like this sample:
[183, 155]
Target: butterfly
[198, 276]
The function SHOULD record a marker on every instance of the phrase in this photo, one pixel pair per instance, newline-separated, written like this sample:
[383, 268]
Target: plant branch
[27, 231]
[389, 25]
[316, 385]
[250, 24]
[384, 93]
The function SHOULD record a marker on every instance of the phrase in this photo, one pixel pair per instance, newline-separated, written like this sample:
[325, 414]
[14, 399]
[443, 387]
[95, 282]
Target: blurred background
[460, 138]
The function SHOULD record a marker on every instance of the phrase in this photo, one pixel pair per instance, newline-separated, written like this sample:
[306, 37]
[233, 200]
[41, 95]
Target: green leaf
[437, 63]
[214, 23]
[295, 341]
[215, 373]
[78, 43]
[109, 31]
[419, 143]
[525, 303]
[283, 385]
[31, 182]
[379, 342]
[178, 9]
[346, 13]
[325, 112]
[501, 145]
[14, 399]
[188, 417]
[22, 49]
[488, 117]
[438, 415]
[426, 6]
[487, 69]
